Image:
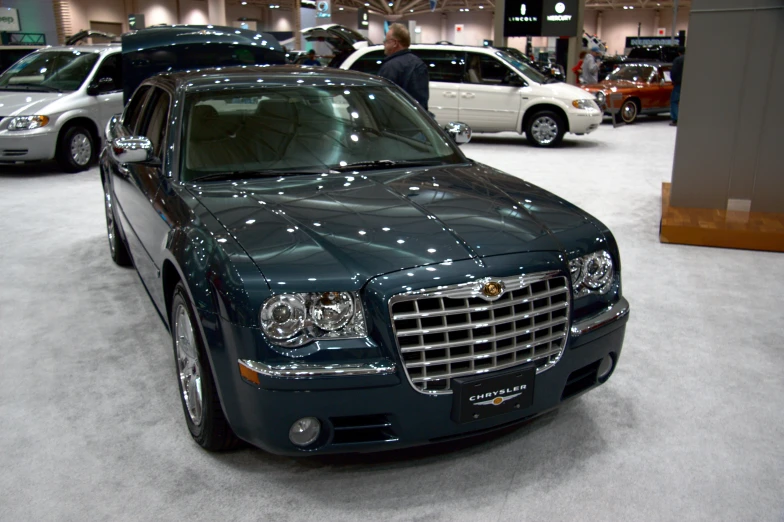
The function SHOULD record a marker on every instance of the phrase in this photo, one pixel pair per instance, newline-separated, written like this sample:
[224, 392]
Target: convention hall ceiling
[400, 8]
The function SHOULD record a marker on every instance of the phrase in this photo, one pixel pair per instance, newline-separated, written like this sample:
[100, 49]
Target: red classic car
[633, 89]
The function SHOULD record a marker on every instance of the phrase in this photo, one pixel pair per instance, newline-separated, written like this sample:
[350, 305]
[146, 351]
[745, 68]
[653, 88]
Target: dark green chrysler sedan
[337, 276]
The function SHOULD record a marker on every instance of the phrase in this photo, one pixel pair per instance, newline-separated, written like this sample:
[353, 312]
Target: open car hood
[338, 37]
[181, 47]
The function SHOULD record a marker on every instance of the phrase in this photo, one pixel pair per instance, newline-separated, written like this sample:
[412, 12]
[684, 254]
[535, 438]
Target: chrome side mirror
[460, 132]
[109, 131]
[137, 149]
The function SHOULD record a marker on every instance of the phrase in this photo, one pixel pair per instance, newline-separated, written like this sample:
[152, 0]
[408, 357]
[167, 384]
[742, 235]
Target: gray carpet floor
[690, 427]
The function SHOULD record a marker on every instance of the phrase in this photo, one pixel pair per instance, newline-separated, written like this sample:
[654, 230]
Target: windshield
[49, 71]
[633, 73]
[529, 72]
[292, 130]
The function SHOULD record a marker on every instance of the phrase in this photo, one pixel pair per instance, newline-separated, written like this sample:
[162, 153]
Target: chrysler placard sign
[9, 19]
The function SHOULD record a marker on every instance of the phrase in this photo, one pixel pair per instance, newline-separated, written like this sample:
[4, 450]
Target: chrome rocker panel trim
[307, 371]
[603, 318]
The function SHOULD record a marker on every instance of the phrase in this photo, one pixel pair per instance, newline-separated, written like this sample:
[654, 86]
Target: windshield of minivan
[49, 71]
[306, 129]
[529, 72]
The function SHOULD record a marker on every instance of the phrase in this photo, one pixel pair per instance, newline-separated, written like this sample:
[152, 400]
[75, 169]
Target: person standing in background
[590, 69]
[578, 69]
[311, 58]
[677, 77]
[403, 67]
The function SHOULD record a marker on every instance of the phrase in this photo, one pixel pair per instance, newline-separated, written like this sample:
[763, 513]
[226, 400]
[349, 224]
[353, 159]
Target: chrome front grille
[454, 331]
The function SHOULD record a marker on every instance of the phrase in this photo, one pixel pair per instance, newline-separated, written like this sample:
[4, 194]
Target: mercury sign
[559, 18]
[9, 19]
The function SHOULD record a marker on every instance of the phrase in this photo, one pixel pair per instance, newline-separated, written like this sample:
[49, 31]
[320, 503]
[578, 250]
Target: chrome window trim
[307, 371]
[473, 289]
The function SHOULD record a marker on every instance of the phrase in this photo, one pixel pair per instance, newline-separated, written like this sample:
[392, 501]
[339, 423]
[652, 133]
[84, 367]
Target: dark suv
[659, 53]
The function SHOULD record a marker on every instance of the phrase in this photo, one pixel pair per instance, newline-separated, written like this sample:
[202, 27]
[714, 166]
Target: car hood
[613, 85]
[26, 103]
[566, 91]
[332, 231]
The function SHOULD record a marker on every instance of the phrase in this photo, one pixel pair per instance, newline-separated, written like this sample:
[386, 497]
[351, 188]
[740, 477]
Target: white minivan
[492, 91]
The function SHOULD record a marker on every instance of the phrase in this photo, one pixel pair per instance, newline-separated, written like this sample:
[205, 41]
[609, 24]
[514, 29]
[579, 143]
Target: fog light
[605, 368]
[305, 431]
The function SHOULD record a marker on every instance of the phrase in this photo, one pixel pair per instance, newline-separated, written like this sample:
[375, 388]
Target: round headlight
[598, 271]
[332, 310]
[283, 316]
[600, 97]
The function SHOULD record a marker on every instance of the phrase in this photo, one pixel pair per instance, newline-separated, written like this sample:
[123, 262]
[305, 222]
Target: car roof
[439, 47]
[249, 75]
[88, 48]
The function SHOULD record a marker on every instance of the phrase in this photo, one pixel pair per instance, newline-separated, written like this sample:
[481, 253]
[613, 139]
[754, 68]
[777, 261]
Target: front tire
[545, 129]
[628, 112]
[199, 396]
[117, 247]
[75, 149]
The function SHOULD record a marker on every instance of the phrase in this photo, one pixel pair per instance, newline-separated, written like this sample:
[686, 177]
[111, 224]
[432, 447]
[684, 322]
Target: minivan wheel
[545, 129]
[75, 149]
[198, 393]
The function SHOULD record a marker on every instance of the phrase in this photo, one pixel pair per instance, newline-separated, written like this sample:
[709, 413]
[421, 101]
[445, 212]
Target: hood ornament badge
[492, 289]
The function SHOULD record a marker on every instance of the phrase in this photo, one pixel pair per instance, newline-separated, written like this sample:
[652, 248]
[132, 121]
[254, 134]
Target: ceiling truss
[401, 8]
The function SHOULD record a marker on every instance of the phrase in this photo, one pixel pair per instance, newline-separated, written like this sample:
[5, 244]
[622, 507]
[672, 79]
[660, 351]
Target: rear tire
[545, 129]
[200, 402]
[75, 149]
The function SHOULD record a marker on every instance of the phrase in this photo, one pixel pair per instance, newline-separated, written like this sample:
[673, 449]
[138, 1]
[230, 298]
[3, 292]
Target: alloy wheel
[188, 365]
[81, 149]
[544, 129]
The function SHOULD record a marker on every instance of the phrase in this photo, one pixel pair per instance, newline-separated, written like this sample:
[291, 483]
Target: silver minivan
[55, 103]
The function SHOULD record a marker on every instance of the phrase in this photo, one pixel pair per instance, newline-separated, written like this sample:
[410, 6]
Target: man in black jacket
[677, 76]
[404, 68]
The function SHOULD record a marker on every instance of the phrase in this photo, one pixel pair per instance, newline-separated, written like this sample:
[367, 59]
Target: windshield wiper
[385, 164]
[250, 174]
[31, 87]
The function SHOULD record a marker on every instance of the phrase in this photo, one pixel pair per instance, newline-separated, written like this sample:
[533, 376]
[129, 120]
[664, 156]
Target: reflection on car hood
[26, 103]
[608, 85]
[343, 229]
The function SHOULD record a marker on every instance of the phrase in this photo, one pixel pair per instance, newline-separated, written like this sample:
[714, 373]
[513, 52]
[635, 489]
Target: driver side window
[109, 74]
[154, 122]
[133, 112]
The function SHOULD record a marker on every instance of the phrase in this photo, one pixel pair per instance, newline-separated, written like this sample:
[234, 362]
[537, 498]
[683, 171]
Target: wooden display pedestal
[720, 228]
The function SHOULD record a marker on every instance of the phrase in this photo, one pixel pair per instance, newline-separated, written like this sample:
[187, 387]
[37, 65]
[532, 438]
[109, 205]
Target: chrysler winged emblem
[497, 401]
[492, 290]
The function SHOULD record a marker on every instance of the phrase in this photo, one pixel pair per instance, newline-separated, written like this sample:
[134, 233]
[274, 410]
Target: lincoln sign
[540, 18]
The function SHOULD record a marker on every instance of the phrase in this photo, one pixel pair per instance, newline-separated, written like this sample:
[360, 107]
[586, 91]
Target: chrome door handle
[469, 95]
[450, 94]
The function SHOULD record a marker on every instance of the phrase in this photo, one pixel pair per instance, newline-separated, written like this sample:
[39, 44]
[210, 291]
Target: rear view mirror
[101, 86]
[460, 132]
[137, 149]
[513, 80]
